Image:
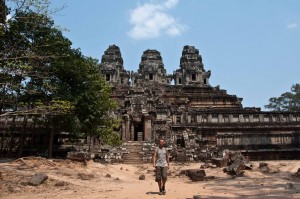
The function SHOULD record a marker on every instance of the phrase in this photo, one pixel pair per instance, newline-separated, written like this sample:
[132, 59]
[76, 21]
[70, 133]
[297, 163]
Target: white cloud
[8, 17]
[150, 20]
[292, 25]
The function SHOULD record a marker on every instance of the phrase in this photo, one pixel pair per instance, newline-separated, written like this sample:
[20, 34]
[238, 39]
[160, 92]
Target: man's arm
[167, 157]
[154, 158]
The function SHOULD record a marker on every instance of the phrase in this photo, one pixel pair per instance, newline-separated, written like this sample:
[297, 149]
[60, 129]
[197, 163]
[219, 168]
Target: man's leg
[164, 179]
[159, 178]
[159, 185]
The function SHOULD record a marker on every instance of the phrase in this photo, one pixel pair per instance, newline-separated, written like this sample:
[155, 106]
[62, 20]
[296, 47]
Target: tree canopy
[40, 73]
[288, 101]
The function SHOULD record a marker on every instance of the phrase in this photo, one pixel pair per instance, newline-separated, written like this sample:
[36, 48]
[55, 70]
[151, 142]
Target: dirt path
[124, 182]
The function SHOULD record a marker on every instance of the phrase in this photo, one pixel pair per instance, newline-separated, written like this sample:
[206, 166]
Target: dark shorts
[161, 173]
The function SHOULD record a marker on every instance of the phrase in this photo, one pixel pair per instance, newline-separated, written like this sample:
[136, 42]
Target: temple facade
[186, 110]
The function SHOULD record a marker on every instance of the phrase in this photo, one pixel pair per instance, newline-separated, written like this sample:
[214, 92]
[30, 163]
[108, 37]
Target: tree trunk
[22, 137]
[50, 148]
[32, 137]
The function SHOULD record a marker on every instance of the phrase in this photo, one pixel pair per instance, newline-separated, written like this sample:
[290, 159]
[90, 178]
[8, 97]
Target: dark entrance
[138, 131]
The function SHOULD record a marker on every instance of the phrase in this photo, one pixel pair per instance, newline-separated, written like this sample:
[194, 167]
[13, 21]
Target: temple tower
[151, 69]
[191, 71]
[112, 66]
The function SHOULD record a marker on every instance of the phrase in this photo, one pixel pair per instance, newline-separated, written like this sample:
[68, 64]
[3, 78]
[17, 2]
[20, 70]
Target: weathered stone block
[37, 179]
[84, 176]
[220, 162]
[235, 168]
[196, 174]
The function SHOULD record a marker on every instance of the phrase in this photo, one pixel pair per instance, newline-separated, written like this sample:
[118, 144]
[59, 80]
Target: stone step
[132, 162]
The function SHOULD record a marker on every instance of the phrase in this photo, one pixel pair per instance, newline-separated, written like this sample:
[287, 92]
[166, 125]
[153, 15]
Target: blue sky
[252, 47]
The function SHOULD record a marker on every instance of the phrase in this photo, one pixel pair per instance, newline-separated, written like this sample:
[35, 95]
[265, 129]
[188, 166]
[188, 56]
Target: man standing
[161, 163]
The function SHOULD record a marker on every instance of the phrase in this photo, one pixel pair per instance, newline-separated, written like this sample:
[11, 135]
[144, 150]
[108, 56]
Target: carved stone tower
[151, 69]
[191, 70]
[112, 66]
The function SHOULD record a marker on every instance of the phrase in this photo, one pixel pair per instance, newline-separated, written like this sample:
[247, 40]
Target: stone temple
[188, 112]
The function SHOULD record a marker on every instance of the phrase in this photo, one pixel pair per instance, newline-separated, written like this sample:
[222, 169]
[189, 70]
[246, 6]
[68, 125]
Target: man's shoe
[163, 190]
[160, 192]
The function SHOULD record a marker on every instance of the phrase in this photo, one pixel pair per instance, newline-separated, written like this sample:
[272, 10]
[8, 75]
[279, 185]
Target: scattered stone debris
[262, 164]
[117, 178]
[207, 165]
[32, 162]
[220, 162]
[79, 156]
[196, 174]
[108, 176]
[289, 185]
[236, 168]
[297, 174]
[37, 179]
[85, 176]
[142, 177]
[61, 183]
[237, 164]
[248, 166]
[121, 168]
[263, 167]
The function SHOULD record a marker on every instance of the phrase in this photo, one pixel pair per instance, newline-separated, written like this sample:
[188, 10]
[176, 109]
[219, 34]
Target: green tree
[288, 101]
[41, 73]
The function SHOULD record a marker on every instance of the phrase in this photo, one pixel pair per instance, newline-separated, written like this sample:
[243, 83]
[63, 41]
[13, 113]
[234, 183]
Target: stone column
[147, 128]
[251, 118]
[131, 133]
[230, 118]
[123, 133]
[220, 118]
[127, 128]
[209, 118]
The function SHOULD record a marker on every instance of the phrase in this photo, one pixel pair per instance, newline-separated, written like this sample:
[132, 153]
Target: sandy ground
[124, 182]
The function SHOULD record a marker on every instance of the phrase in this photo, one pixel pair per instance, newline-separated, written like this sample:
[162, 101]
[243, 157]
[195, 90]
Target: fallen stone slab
[108, 176]
[263, 164]
[289, 185]
[248, 166]
[79, 156]
[197, 197]
[61, 184]
[220, 162]
[37, 179]
[236, 168]
[297, 174]
[264, 168]
[85, 176]
[196, 174]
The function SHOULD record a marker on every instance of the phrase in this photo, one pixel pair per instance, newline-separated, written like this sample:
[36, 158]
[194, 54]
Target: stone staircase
[140, 136]
[181, 155]
[134, 156]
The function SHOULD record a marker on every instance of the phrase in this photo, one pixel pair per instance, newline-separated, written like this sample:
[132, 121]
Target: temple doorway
[138, 131]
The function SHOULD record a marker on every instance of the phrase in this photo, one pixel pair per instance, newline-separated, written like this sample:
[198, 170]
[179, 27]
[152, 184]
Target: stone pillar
[147, 128]
[251, 118]
[261, 118]
[220, 118]
[230, 118]
[131, 133]
[127, 128]
[123, 133]
[241, 118]
[291, 118]
[209, 118]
